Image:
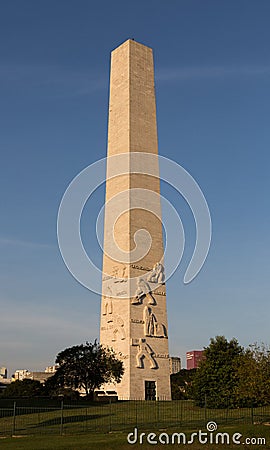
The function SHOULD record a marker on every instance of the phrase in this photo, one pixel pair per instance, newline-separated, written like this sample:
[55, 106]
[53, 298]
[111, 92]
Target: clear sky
[212, 66]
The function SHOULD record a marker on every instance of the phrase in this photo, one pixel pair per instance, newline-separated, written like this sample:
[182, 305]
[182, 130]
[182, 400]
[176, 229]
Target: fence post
[62, 418]
[158, 412]
[181, 411]
[252, 414]
[110, 416]
[14, 420]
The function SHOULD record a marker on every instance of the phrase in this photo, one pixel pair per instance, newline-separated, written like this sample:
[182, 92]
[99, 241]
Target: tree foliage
[87, 367]
[253, 374]
[216, 378]
[54, 389]
[25, 388]
[182, 384]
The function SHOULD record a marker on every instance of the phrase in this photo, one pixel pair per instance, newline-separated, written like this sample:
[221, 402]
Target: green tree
[54, 388]
[216, 379]
[181, 384]
[87, 367]
[253, 373]
[24, 388]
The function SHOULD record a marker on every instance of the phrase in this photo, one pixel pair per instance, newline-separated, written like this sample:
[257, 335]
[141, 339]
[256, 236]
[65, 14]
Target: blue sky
[212, 67]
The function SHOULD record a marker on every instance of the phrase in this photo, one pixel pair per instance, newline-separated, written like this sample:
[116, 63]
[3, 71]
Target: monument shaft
[134, 319]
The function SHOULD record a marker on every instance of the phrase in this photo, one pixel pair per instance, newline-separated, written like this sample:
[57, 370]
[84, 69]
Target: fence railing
[62, 418]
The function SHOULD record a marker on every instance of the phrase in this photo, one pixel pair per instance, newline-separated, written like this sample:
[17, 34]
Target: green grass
[115, 441]
[88, 422]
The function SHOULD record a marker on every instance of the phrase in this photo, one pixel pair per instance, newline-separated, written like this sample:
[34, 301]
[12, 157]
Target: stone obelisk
[133, 313]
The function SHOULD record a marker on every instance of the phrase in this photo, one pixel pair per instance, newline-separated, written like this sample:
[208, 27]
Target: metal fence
[61, 418]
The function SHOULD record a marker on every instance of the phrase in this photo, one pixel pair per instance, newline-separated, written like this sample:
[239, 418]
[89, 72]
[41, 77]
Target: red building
[193, 358]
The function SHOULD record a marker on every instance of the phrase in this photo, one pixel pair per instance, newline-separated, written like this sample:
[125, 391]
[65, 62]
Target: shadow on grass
[70, 419]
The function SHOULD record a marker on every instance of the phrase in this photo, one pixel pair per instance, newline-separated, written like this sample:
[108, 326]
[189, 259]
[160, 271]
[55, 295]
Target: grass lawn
[119, 417]
[115, 441]
[107, 426]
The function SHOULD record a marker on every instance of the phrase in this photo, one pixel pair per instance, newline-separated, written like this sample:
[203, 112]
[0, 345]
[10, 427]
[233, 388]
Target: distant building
[20, 374]
[4, 382]
[3, 372]
[52, 369]
[38, 376]
[175, 364]
[193, 358]
[24, 374]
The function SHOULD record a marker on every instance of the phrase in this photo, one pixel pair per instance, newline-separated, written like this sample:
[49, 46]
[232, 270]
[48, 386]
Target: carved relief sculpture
[118, 329]
[149, 321]
[107, 307]
[145, 351]
[157, 274]
[151, 325]
[143, 291]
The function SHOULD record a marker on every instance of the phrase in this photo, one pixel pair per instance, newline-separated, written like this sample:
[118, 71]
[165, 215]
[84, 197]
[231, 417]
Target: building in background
[38, 376]
[52, 369]
[175, 364]
[193, 358]
[24, 374]
[3, 372]
[4, 380]
[20, 374]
